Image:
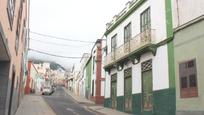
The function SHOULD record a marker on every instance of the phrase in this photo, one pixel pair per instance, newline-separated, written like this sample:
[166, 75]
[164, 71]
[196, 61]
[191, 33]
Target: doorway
[147, 85]
[4, 78]
[128, 89]
[114, 91]
[12, 89]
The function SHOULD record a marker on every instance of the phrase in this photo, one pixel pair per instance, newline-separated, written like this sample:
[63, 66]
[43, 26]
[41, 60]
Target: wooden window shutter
[188, 79]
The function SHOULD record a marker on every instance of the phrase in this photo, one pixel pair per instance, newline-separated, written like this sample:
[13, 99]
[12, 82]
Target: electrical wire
[52, 43]
[61, 38]
[54, 55]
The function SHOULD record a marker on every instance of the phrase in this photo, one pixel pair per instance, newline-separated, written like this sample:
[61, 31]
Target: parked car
[47, 90]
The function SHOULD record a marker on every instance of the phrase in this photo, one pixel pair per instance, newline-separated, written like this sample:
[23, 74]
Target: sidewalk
[34, 105]
[93, 107]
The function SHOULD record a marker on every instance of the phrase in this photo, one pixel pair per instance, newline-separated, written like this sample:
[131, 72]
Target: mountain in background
[53, 65]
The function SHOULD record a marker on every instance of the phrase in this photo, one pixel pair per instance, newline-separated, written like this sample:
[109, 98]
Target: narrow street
[63, 104]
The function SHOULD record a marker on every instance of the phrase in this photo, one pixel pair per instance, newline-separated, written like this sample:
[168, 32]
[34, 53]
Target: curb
[85, 106]
[74, 99]
[93, 110]
[80, 102]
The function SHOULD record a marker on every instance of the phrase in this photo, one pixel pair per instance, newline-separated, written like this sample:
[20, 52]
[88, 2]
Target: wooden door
[114, 94]
[147, 90]
[128, 94]
[128, 89]
[147, 85]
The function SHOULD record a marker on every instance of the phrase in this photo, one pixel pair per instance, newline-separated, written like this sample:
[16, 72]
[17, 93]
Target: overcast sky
[72, 19]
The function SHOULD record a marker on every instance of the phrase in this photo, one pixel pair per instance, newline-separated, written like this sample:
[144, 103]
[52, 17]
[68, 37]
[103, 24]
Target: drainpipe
[177, 8]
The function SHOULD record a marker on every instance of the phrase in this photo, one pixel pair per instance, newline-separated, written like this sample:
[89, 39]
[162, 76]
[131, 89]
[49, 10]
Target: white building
[79, 77]
[95, 77]
[139, 71]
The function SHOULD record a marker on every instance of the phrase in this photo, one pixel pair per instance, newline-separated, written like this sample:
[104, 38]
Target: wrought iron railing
[138, 41]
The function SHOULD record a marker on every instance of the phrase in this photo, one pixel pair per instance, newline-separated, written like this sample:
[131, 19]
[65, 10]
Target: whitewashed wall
[160, 69]
[107, 85]
[186, 11]
[159, 72]
[102, 88]
[158, 22]
[120, 83]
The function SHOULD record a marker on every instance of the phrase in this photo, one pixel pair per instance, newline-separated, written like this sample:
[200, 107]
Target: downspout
[177, 8]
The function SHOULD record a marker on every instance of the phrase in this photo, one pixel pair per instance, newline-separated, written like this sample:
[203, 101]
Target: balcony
[137, 45]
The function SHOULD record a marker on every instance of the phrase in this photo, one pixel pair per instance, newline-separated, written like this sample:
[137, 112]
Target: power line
[61, 38]
[52, 43]
[54, 55]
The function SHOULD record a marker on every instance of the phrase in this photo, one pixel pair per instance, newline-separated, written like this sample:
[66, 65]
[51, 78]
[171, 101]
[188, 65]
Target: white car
[47, 90]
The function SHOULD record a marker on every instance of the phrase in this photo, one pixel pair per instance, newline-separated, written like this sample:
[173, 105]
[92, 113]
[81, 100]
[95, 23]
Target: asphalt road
[63, 104]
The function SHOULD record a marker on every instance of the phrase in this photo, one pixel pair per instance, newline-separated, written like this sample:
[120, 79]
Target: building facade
[139, 68]
[31, 80]
[188, 24]
[97, 80]
[80, 76]
[13, 44]
[87, 75]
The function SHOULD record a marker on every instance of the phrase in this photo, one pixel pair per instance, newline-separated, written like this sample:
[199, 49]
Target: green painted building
[87, 75]
[139, 64]
[189, 57]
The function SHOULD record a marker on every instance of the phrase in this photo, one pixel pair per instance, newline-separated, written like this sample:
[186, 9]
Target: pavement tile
[34, 105]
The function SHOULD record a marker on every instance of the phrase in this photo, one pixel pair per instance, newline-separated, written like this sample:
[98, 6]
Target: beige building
[13, 40]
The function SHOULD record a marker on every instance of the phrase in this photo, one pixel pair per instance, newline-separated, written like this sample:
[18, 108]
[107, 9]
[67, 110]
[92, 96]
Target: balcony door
[145, 20]
[145, 25]
[113, 46]
[127, 37]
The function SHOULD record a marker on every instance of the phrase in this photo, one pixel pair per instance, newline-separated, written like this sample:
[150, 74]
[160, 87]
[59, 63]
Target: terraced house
[13, 24]
[139, 62]
[188, 18]
[94, 78]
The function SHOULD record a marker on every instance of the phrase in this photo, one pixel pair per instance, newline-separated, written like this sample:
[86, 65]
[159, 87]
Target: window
[188, 79]
[18, 27]
[24, 31]
[10, 11]
[127, 33]
[145, 21]
[17, 36]
[113, 43]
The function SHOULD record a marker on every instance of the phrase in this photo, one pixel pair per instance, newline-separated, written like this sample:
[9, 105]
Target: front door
[128, 90]
[128, 95]
[147, 87]
[114, 91]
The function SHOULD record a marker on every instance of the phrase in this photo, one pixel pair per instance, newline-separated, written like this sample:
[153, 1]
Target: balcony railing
[139, 41]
